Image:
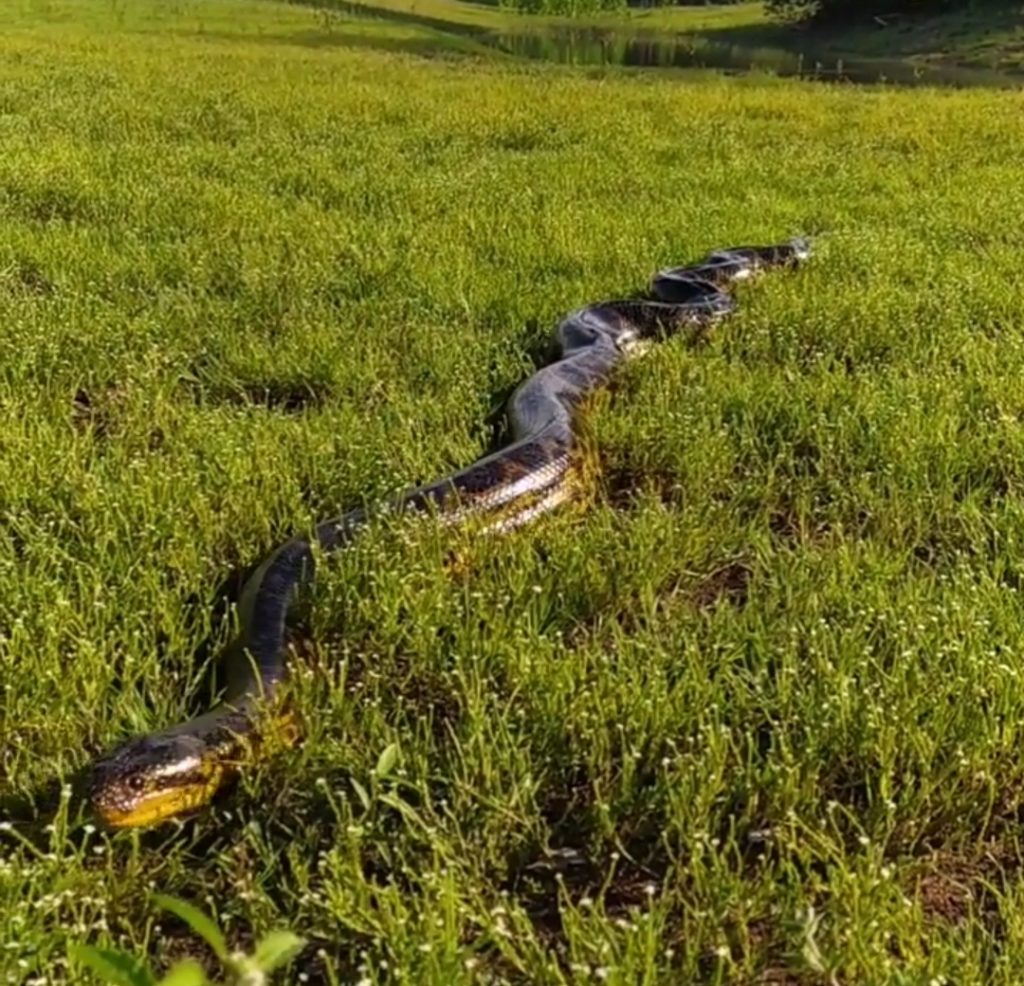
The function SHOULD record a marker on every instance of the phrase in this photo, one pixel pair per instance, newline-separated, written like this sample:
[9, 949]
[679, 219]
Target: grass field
[492, 17]
[754, 716]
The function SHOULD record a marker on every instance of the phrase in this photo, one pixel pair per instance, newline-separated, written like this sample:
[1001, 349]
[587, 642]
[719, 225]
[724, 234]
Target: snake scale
[174, 771]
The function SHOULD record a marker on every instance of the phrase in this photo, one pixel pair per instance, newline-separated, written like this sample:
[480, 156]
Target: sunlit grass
[755, 713]
[702, 17]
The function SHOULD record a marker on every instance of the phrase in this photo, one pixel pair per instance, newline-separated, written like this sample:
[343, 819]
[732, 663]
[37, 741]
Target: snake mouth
[161, 776]
[153, 807]
[153, 779]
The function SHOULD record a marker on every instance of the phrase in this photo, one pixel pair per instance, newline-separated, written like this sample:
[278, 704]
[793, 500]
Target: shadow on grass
[956, 38]
[434, 43]
[28, 815]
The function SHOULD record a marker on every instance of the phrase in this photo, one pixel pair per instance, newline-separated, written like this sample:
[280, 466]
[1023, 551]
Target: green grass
[466, 13]
[753, 716]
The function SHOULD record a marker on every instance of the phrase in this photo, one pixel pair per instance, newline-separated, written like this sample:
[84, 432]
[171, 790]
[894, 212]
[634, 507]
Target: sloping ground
[985, 36]
[684, 19]
[755, 715]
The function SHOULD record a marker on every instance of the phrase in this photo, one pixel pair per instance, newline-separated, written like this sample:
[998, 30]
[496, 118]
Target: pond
[653, 50]
[593, 47]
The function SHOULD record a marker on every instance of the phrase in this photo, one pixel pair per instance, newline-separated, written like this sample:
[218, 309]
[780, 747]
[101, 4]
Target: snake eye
[135, 784]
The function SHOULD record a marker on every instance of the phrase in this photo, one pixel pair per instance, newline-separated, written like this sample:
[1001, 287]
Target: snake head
[156, 777]
[802, 248]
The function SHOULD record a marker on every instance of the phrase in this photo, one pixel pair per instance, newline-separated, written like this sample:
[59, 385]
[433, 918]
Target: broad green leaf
[360, 792]
[197, 920]
[386, 761]
[114, 966]
[276, 948]
[186, 973]
[406, 810]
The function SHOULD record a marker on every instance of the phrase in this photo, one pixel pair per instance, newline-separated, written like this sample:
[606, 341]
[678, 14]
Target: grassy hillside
[980, 36]
[698, 18]
[984, 35]
[753, 716]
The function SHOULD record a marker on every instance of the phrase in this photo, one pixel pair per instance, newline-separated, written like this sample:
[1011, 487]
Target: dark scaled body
[163, 774]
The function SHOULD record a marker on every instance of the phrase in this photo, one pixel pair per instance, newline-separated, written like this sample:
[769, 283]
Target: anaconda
[168, 773]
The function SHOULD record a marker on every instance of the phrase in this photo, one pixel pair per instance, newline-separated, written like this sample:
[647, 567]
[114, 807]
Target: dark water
[590, 47]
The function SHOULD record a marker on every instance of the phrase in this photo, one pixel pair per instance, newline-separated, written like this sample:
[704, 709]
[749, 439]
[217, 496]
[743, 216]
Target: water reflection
[594, 46]
[590, 47]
